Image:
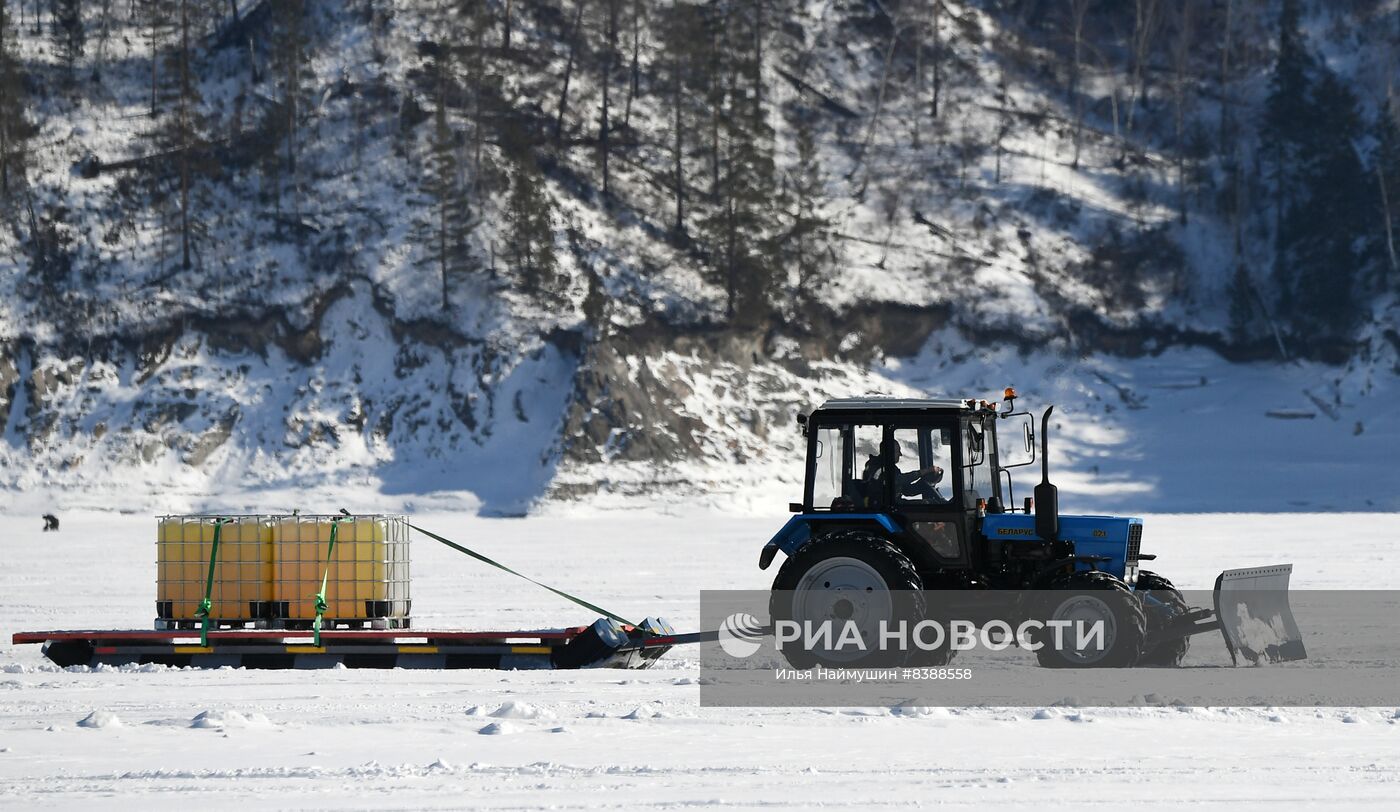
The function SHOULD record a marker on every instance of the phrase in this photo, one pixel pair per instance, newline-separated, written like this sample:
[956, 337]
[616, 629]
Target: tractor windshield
[978, 473]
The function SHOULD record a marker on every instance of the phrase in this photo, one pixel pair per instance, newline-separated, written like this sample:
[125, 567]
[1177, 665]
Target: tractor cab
[875, 454]
[926, 471]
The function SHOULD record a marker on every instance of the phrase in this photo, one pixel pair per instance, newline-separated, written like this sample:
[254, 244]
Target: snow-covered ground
[162, 738]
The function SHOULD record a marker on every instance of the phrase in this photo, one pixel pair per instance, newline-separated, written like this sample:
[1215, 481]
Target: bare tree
[1181, 64]
[450, 220]
[918, 26]
[678, 35]
[157, 13]
[1078, 9]
[1387, 162]
[1388, 208]
[568, 70]
[1226, 46]
[756, 66]
[895, 29]
[1145, 19]
[635, 73]
[604, 126]
[718, 32]
[14, 129]
[290, 45]
[104, 33]
[937, 59]
[186, 128]
[1003, 116]
[505, 27]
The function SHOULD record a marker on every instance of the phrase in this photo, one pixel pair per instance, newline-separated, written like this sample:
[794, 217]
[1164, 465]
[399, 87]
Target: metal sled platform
[604, 644]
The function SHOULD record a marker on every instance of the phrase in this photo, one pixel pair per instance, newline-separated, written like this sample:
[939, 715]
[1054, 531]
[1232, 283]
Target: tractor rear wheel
[850, 577]
[1172, 652]
[1104, 610]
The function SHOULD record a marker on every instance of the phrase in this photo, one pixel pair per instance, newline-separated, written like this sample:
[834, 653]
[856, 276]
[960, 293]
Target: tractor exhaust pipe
[1047, 496]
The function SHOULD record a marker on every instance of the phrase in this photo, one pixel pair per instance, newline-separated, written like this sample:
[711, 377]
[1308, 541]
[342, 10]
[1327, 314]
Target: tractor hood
[1117, 537]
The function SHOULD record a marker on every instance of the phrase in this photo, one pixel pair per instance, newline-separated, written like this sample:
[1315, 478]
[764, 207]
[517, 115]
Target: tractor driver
[917, 485]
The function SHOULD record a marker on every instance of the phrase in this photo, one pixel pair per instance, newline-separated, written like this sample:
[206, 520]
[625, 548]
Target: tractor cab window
[921, 459]
[867, 490]
[827, 485]
[845, 468]
[977, 461]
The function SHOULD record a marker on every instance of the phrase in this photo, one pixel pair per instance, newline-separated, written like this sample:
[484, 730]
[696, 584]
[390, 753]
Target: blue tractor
[910, 497]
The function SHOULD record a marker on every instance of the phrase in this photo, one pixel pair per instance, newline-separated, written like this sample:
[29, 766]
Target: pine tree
[1387, 183]
[1322, 207]
[185, 131]
[1286, 115]
[289, 59]
[680, 31]
[634, 69]
[1243, 312]
[805, 248]
[15, 128]
[69, 34]
[575, 33]
[739, 226]
[450, 218]
[608, 63]
[1320, 189]
[472, 22]
[1327, 227]
[530, 232]
[156, 24]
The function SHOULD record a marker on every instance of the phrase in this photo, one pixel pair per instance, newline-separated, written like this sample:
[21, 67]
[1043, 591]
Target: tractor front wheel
[1162, 603]
[847, 581]
[1101, 624]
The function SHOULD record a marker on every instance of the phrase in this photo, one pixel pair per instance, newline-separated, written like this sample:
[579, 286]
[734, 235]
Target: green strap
[498, 565]
[320, 597]
[206, 606]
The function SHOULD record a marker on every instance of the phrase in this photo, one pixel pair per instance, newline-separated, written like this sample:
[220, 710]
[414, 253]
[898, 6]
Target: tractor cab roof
[896, 404]
[887, 409]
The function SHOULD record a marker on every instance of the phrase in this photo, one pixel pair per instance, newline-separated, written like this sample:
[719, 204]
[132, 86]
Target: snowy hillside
[488, 254]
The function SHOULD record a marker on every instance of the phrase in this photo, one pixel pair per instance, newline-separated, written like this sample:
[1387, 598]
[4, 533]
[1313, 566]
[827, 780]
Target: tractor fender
[800, 529]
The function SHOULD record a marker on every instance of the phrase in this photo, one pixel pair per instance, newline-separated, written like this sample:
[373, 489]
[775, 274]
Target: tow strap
[206, 606]
[498, 565]
[320, 597]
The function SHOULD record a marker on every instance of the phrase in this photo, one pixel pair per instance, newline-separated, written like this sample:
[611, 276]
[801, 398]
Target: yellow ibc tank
[242, 571]
[366, 576]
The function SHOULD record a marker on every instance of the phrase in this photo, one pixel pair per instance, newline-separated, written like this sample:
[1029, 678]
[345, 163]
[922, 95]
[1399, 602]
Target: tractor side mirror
[1011, 456]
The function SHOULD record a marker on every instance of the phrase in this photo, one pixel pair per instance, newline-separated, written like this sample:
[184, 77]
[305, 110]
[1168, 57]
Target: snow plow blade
[1252, 608]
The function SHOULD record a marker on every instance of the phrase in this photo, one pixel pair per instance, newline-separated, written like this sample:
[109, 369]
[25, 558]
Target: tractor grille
[1134, 542]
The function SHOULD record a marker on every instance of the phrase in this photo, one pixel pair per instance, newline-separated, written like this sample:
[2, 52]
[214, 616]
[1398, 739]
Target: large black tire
[877, 566]
[1172, 652]
[1093, 595]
